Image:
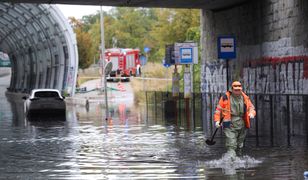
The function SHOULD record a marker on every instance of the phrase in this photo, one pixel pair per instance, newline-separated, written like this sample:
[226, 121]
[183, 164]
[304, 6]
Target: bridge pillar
[272, 58]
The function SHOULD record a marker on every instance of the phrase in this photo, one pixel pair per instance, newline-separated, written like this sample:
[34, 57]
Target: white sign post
[187, 54]
[175, 83]
[187, 83]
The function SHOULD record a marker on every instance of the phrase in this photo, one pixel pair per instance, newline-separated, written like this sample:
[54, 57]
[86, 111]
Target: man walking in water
[235, 109]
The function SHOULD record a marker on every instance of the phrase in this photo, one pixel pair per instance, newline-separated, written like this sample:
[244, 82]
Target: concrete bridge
[198, 4]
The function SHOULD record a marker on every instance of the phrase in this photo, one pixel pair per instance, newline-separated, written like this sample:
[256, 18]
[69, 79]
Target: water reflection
[86, 146]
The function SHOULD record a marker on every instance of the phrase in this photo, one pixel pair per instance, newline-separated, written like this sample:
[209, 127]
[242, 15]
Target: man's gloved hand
[251, 116]
[217, 124]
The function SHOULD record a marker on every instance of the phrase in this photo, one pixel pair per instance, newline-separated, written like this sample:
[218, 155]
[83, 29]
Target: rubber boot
[239, 152]
[231, 154]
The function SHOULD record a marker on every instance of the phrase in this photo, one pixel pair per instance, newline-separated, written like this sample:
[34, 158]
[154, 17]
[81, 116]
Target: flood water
[130, 146]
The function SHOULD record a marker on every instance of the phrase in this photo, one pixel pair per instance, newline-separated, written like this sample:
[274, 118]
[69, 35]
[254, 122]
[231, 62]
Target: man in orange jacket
[235, 109]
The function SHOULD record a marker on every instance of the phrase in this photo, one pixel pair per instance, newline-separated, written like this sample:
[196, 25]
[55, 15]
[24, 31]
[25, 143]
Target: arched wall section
[41, 45]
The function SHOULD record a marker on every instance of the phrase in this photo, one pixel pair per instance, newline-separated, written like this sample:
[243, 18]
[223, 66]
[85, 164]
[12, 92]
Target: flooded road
[130, 146]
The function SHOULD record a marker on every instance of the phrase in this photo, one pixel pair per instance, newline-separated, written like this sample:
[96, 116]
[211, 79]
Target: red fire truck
[124, 61]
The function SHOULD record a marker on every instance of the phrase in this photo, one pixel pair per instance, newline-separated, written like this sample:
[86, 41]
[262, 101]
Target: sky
[78, 11]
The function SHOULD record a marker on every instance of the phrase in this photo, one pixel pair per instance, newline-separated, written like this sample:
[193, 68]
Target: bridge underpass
[273, 62]
[41, 45]
[271, 38]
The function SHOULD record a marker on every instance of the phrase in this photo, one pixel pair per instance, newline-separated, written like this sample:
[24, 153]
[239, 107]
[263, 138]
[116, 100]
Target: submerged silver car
[44, 102]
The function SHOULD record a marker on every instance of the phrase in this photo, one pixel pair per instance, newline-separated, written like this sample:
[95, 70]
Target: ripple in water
[229, 164]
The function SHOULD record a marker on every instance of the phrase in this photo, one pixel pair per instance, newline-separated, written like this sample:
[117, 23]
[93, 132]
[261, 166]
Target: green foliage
[85, 56]
[84, 44]
[88, 20]
[136, 28]
[193, 34]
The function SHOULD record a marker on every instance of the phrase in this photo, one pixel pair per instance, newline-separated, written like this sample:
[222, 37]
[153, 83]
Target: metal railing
[280, 117]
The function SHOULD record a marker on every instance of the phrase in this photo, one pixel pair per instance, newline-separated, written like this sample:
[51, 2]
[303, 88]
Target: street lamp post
[103, 60]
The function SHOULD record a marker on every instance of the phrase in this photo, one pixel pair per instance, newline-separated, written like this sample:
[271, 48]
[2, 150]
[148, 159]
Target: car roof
[45, 90]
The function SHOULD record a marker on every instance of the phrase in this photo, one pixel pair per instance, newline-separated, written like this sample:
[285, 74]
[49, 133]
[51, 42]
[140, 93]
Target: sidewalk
[118, 92]
[5, 71]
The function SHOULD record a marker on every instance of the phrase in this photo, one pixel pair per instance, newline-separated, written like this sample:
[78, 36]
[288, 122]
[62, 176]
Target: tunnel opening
[41, 45]
[5, 64]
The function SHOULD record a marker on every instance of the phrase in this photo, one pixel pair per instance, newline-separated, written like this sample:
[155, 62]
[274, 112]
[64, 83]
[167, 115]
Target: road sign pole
[227, 69]
[142, 73]
[192, 77]
[166, 76]
[146, 50]
[192, 91]
[103, 59]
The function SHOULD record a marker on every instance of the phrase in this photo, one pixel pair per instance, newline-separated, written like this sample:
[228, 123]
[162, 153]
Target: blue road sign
[186, 55]
[165, 64]
[226, 47]
[146, 49]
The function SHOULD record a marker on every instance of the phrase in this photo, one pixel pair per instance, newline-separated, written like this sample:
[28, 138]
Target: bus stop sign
[226, 47]
[186, 53]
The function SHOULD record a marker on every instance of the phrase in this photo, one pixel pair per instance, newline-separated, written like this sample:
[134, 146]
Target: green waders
[236, 133]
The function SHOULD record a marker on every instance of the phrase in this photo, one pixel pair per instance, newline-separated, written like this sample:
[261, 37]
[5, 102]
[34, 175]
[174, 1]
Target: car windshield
[46, 94]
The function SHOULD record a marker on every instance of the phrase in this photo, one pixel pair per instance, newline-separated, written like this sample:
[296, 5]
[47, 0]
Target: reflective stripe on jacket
[223, 109]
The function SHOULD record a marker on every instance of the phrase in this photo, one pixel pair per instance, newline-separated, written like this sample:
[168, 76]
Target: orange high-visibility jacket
[224, 109]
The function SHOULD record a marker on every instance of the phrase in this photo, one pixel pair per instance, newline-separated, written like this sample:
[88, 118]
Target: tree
[84, 43]
[136, 28]
[95, 32]
[173, 25]
[131, 26]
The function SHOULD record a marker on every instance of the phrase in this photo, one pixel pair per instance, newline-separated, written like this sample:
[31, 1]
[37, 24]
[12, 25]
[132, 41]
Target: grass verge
[152, 70]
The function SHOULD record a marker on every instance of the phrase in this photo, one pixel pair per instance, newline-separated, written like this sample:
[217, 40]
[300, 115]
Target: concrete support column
[207, 36]
[22, 70]
[206, 19]
[13, 73]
